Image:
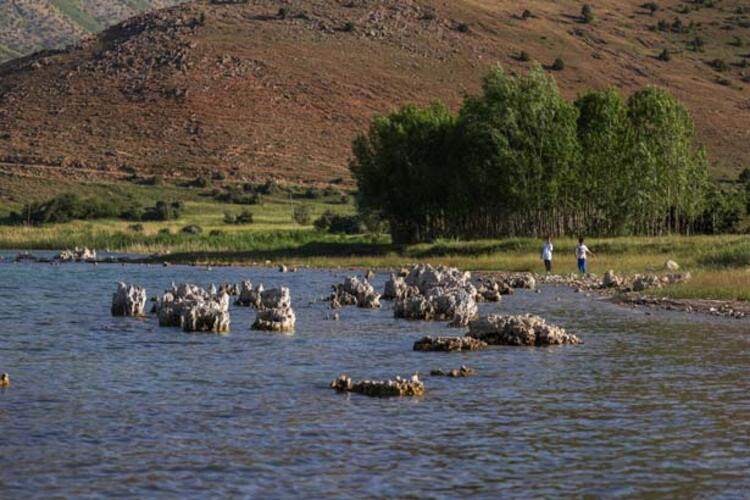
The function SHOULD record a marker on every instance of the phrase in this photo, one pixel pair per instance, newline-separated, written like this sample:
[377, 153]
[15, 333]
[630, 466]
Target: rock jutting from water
[380, 388]
[76, 255]
[449, 344]
[275, 313]
[430, 293]
[464, 371]
[356, 293]
[128, 300]
[526, 330]
[194, 309]
[4, 380]
[249, 296]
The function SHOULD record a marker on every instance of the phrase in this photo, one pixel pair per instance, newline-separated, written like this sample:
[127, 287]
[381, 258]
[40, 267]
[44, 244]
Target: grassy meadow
[720, 264]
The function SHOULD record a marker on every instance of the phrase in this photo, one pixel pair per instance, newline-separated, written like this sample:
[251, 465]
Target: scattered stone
[464, 371]
[449, 344]
[380, 388]
[128, 300]
[519, 330]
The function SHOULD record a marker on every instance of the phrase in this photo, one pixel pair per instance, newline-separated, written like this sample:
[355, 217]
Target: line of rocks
[380, 388]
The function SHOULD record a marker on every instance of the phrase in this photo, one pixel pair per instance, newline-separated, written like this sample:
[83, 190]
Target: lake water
[104, 406]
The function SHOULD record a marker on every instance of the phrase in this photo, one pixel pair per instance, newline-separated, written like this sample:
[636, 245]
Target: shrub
[719, 64]
[245, 217]
[229, 218]
[558, 65]
[283, 12]
[218, 175]
[269, 188]
[237, 196]
[463, 28]
[696, 44]
[192, 229]
[651, 7]
[163, 211]
[663, 25]
[348, 27]
[664, 55]
[155, 180]
[587, 13]
[526, 14]
[524, 56]
[64, 208]
[216, 233]
[136, 228]
[301, 215]
[165, 231]
[339, 224]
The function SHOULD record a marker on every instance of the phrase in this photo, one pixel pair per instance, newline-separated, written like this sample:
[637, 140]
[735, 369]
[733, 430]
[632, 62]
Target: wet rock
[280, 319]
[231, 289]
[464, 371]
[208, 316]
[519, 330]
[524, 280]
[194, 309]
[249, 296]
[354, 292]
[128, 300]
[4, 380]
[449, 344]
[275, 298]
[492, 291]
[396, 288]
[380, 388]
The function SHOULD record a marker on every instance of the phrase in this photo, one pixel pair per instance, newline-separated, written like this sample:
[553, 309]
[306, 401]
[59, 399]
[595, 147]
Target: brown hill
[267, 89]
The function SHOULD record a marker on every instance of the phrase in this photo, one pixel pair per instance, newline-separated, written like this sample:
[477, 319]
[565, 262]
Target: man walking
[547, 254]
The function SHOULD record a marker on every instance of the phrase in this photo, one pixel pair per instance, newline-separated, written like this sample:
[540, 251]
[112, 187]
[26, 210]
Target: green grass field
[720, 264]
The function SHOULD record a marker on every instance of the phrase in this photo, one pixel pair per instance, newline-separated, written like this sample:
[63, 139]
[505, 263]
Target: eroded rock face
[519, 330]
[249, 296]
[380, 388]
[76, 255]
[276, 298]
[280, 319]
[397, 289]
[449, 344]
[194, 309]
[354, 292]
[128, 300]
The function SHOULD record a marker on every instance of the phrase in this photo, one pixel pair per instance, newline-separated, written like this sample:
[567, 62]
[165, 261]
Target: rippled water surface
[99, 405]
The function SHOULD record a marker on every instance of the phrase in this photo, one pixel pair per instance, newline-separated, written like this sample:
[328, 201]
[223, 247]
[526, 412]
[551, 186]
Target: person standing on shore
[582, 252]
[547, 248]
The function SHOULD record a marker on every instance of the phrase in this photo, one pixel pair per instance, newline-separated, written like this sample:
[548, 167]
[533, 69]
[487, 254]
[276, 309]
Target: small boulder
[519, 330]
[464, 371]
[380, 388]
[449, 344]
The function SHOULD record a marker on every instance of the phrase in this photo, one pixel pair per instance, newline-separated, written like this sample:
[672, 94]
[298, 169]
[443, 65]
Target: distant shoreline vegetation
[520, 160]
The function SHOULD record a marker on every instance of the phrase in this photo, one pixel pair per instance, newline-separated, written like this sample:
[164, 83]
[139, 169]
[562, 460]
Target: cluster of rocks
[380, 388]
[128, 300]
[76, 255]
[194, 309]
[434, 293]
[249, 296]
[353, 292]
[449, 344]
[735, 310]
[526, 330]
[464, 371]
[640, 282]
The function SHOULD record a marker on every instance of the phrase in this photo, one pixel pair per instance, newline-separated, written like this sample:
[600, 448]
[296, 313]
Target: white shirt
[547, 251]
[581, 251]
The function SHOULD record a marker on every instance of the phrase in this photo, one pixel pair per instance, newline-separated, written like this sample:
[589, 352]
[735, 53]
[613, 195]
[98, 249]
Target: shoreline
[732, 309]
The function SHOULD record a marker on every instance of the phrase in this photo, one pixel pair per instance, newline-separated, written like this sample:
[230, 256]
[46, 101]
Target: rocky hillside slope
[278, 89]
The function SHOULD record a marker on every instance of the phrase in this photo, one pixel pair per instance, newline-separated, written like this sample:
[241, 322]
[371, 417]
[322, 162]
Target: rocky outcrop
[128, 300]
[430, 293]
[76, 255]
[354, 292]
[380, 388]
[231, 289]
[519, 330]
[275, 313]
[194, 309]
[464, 371]
[449, 344]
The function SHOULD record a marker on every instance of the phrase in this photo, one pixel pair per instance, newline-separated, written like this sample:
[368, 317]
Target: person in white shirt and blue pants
[582, 252]
[547, 254]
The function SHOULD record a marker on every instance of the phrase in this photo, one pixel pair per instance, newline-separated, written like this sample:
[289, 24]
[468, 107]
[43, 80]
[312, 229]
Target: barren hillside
[279, 89]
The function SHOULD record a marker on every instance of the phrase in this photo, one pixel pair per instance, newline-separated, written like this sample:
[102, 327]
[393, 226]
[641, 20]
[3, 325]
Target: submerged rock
[519, 330]
[464, 371]
[449, 344]
[380, 388]
[128, 300]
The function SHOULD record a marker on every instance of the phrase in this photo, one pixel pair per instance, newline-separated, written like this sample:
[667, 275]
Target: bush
[237, 196]
[463, 28]
[165, 231]
[664, 55]
[587, 13]
[526, 14]
[218, 175]
[651, 7]
[216, 233]
[719, 65]
[229, 218]
[339, 224]
[269, 188]
[201, 182]
[524, 56]
[136, 228]
[163, 211]
[64, 208]
[156, 180]
[301, 215]
[192, 229]
[348, 27]
[558, 65]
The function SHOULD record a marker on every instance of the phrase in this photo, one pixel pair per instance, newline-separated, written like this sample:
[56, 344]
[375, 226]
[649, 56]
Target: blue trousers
[582, 266]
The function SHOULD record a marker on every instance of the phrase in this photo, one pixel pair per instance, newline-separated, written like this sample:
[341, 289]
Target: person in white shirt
[547, 254]
[582, 252]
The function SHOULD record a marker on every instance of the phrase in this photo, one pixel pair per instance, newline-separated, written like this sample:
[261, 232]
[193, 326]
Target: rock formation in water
[194, 309]
[76, 255]
[4, 380]
[275, 311]
[353, 292]
[519, 330]
[380, 388]
[464, 371]
[449, 344]
[128, 300]
[249, 296]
